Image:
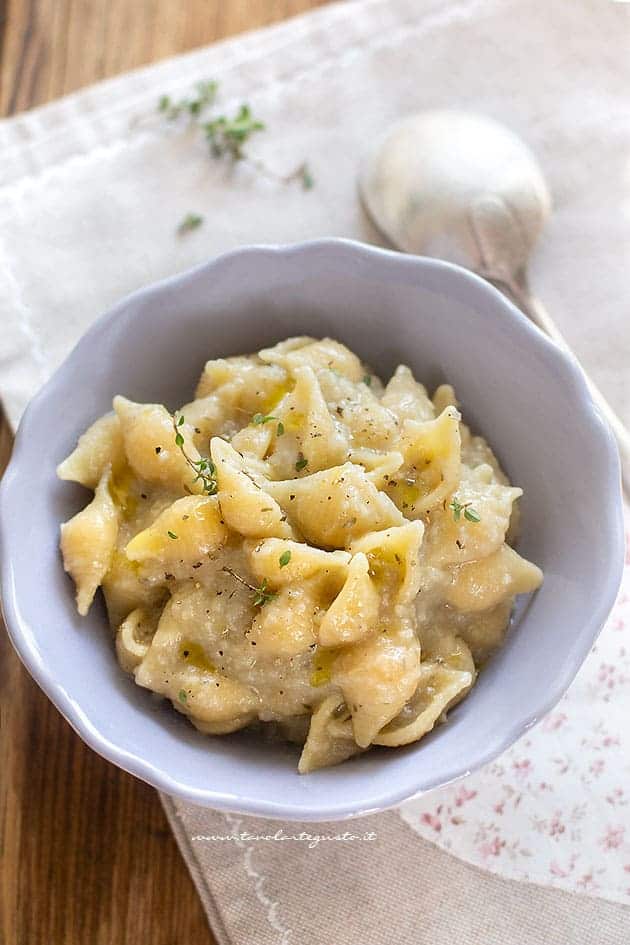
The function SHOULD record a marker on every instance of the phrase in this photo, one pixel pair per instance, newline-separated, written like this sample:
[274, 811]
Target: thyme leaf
[190, 222]
[228, 135]
[204, 95]
[204, 469]
[262, 594]
[458, 508]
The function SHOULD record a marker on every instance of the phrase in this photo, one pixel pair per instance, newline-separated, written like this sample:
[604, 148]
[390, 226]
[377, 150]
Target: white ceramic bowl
[517, 389]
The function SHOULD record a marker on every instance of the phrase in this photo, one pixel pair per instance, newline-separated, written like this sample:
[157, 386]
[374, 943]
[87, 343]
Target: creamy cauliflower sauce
[299, 546]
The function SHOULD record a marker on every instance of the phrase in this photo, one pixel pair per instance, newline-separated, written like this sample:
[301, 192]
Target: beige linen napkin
[91, 191]
[394, 889]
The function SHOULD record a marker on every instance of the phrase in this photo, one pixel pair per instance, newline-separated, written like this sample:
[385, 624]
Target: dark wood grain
[87, 857]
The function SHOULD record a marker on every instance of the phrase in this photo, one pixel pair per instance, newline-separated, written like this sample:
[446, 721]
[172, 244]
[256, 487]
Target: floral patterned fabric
[555, 808]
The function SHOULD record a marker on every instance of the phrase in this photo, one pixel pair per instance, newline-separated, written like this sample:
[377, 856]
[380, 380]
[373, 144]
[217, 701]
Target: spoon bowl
[457, 186]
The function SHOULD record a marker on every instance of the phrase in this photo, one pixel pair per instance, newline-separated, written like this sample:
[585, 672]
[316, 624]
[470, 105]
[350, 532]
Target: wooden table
[87, 855]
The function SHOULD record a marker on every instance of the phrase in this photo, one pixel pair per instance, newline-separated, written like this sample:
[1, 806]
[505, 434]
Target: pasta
[299, 546]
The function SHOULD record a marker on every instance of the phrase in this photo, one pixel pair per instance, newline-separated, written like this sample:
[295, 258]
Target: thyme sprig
[302, 174]
[457, 508]
[205, 94]
[190, 222]
[262, 594]
[204, 469]
[228, 135]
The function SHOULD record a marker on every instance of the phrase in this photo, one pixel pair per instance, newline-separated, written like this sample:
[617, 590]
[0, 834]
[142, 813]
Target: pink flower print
[556, 870]
[596, 767]
[492, 848]
[463, 795]
[499, 807]
[554, 721]
[586, 881]
[556, 827]
[432, 821]
[610, 741]
[616, 797]
[606, 675]
[522, 767]
[613, 838]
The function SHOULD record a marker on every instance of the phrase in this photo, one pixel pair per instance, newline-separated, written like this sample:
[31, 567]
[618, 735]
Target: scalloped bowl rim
[24, 640]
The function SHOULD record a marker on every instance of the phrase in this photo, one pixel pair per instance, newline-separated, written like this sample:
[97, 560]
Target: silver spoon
[465, 188]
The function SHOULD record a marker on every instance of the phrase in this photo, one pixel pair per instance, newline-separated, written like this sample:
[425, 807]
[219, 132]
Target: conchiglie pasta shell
[100, 446]
[327, 743]
[246, 507]
[88, 541]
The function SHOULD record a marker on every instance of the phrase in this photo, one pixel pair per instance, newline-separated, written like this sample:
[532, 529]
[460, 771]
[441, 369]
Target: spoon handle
[534, 310]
